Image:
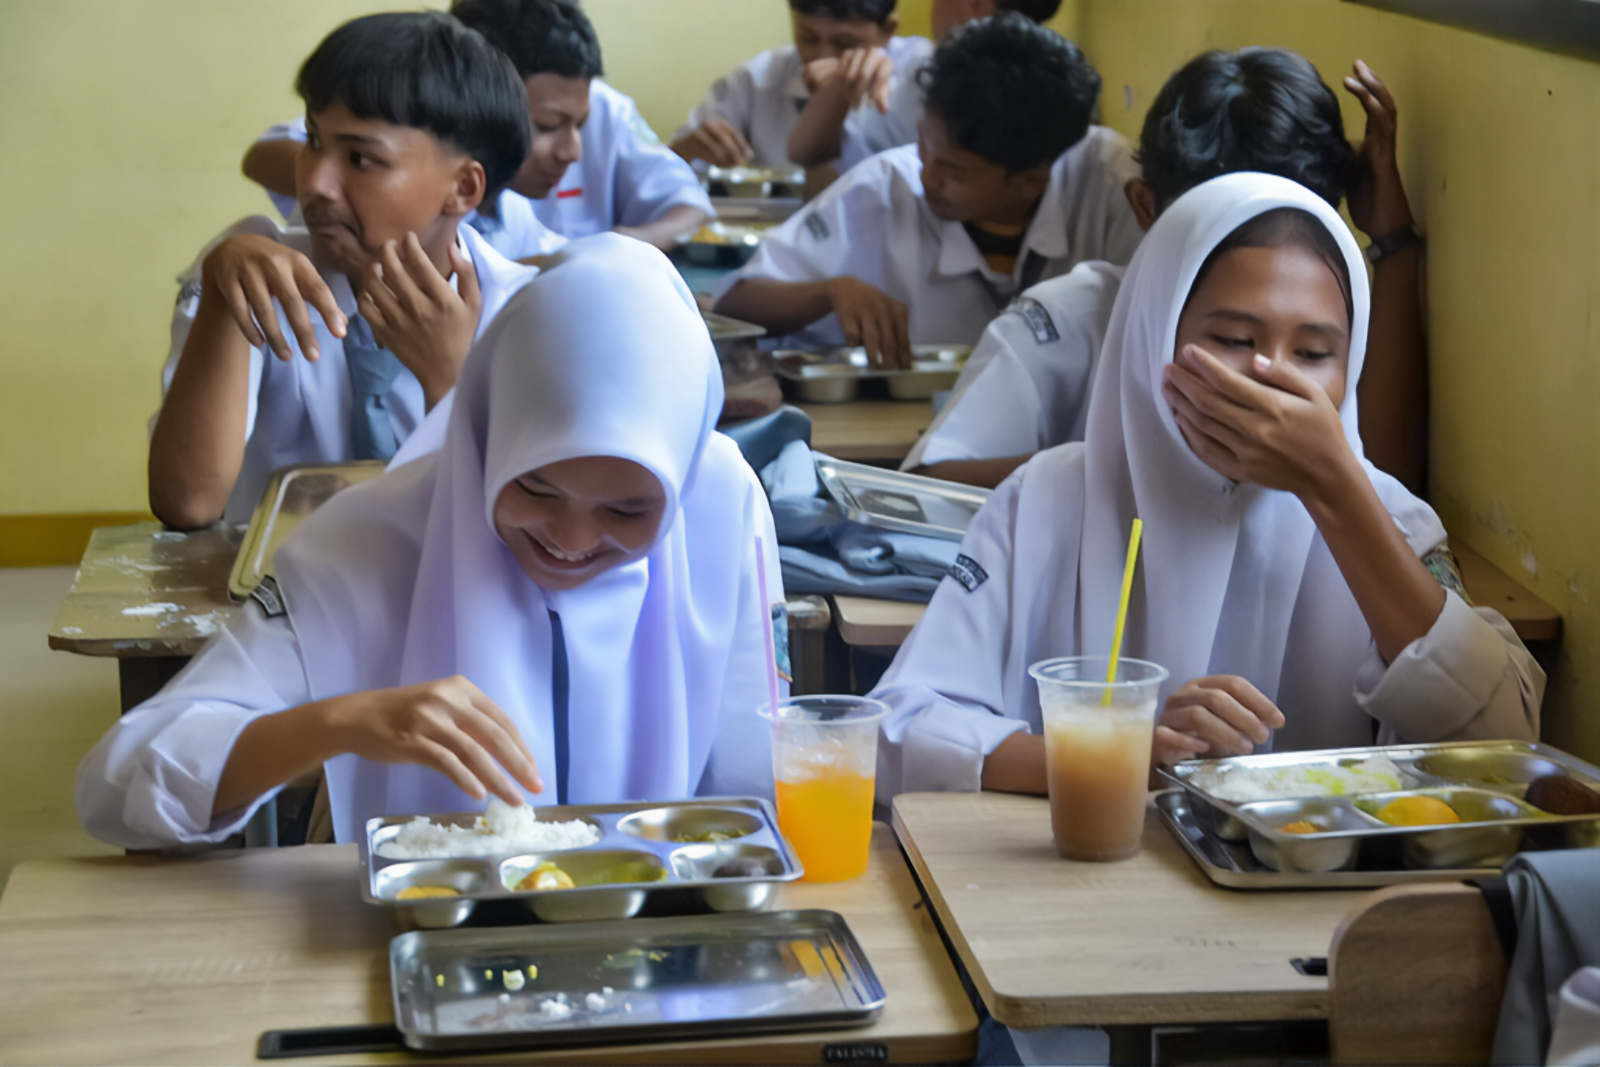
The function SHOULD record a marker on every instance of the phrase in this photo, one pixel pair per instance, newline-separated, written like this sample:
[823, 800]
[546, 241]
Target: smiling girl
[562, 600]
[1299, 597]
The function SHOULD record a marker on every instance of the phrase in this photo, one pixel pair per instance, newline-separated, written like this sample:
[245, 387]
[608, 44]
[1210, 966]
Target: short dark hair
[1261, 109]
[846, 10]
[1011, 91]
[427, 71]
[1037, 10]
[1281, 228]
[540, 36]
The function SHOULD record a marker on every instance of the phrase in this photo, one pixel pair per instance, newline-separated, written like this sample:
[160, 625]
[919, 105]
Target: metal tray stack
[626, 982]
[836, 375]
[640, 854]
[292, 493]
[1485, 783]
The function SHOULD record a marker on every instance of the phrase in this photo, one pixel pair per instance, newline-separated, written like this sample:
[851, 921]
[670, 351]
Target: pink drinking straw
[766, 627]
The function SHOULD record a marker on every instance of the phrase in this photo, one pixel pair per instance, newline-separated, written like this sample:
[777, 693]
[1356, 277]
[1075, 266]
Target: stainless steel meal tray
[907, 503]
[722, 328]
[292, 493]
[1485, 782]
[642, 841]
[835, 375]
[628, 982]
[741, 183]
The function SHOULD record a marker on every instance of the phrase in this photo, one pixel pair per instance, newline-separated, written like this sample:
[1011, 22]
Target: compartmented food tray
[725, 854]
[835, 376]
[292, 494]
[1373, 814]
[626, 982]
[751, 183]
[906, 503]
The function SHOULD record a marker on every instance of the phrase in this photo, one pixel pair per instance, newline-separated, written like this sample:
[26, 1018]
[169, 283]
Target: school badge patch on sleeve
[818, 226]
[967, 571]
[1037, 317]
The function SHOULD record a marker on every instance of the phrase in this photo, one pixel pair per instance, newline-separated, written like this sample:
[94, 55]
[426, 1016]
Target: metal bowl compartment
[1485, 836]
[605, 883]
[683, 823]
[826, 383]
[1488, 768]
[1220, 821]
[698, 863]
[468, 877]
[921, 382]
[1307, 853]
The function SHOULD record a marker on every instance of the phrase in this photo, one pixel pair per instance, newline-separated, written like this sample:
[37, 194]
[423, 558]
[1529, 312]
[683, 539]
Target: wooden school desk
[868, 431]
[1127, 946]
[864, 621]
[145, 959]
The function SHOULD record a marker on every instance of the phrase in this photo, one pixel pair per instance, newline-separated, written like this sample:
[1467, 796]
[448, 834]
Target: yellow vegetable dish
[545, 876]
[1300, 826]
[426, 892]
[1418, 811]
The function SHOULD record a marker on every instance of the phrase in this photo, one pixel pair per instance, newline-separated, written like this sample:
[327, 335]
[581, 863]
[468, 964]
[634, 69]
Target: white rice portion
[1377, 774]
[500, 831]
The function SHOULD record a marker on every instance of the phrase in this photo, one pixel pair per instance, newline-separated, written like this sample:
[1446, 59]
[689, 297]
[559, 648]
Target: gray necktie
[372, 372]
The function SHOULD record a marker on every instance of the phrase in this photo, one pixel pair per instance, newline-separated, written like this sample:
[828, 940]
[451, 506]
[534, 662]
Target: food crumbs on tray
[426, 892]
[1417, 811]
[555, 1010]
[1299, 826]
[594, 1001]
[513, 980]
[438, 980]
[533, 973]
[489, 975]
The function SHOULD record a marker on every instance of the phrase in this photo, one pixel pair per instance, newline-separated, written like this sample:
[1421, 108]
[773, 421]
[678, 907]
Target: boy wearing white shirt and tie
[1008, 185]
[331, 343]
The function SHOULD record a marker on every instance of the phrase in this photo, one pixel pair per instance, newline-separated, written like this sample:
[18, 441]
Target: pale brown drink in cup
[1097, 750]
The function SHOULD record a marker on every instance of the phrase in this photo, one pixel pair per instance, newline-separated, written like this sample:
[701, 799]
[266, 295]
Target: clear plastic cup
[1098, 753]
[825, 760]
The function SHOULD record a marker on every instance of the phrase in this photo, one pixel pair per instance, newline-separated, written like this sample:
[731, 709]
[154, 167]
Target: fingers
[266, 314]
[504, 740]
[467, 287]
[442, 759]
[1286, 376]
[1170, 746]
[433, 286]
[1376, 85]
[882, 71]
[721, 143]
[1250, 698]
[239, 308]
[398, 278]
[1218, 427]
[315, 291]
[480, 764]
[901, 319]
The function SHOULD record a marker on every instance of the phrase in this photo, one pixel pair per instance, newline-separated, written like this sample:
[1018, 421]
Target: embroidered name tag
[818, 226]
[1037, 317]
[967, 571]
[271, 600]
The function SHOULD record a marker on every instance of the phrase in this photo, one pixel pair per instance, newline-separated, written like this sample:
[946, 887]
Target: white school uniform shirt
[515, 231]
[299, 411]
[404, 580]
[874, 224]
[1026, 386]
[763, 99]
[626, 177]
[1233, 578]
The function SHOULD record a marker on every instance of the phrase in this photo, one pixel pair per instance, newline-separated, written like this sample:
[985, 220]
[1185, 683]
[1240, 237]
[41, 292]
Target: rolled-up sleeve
[1467, 678]
[151, 781]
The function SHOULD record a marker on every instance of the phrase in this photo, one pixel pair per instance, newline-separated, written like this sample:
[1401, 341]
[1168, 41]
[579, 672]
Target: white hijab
[1233, 578]
[404, 580]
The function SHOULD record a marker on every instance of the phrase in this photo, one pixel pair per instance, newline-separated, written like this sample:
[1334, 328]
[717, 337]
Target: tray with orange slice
[1347, 818]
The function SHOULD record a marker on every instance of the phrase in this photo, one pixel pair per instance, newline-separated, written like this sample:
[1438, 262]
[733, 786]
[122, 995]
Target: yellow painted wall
[1500, 148]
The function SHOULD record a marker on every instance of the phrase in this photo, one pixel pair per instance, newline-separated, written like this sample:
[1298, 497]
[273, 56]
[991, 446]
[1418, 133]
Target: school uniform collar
[1046, 235]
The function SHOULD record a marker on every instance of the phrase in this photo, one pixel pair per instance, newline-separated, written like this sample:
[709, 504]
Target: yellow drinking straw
[1122, 608]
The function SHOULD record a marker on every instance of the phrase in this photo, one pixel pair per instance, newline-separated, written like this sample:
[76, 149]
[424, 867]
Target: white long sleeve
[151, 780]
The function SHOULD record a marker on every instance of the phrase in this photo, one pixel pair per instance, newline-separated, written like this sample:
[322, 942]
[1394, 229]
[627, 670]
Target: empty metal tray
[906, 503]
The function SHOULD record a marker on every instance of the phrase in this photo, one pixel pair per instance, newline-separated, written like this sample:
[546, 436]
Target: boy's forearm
[1394, 382]
[270, 164]
[671, 229]
[199, 440]
[818, 135]
[782, 307]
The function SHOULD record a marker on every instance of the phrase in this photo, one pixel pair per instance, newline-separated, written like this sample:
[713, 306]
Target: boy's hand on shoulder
[1377, 200]
[252, 276]
[717, 141]
[872, 319]
[1219, 715]
[448, 724]
[416, 314]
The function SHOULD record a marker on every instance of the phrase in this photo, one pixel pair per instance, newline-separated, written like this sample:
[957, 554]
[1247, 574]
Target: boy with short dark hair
[845, 64]
[1009, 185]
[595, 164]
[331, 343]
[1257, 109]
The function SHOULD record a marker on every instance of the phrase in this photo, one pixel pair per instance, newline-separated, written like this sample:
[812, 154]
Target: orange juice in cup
[824, 757]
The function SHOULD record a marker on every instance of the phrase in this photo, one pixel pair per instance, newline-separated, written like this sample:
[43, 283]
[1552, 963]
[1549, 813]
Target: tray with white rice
[576, 862]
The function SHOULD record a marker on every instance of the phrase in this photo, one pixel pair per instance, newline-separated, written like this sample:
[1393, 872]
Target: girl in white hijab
[562, 600]
[1287, 585]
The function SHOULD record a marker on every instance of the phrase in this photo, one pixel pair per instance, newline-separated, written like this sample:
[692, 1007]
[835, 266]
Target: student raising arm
[562, 597]
[1296, 594]
[331, 343]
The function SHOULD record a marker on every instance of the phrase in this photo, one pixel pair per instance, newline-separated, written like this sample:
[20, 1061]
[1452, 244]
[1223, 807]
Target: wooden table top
[867, 621]
[146, 959]
[1148, 941]
[868, 431]
[142, 590]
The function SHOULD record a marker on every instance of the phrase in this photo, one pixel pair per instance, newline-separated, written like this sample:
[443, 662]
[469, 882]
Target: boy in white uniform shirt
[845, 62]
[1009, 185]
[368, 314]
[1257, 109]
[595, 164]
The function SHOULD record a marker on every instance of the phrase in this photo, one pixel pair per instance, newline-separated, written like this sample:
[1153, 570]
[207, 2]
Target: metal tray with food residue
[627, 982]
[291, 495]
[905, 503]
[835, 375]
[723, 854]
